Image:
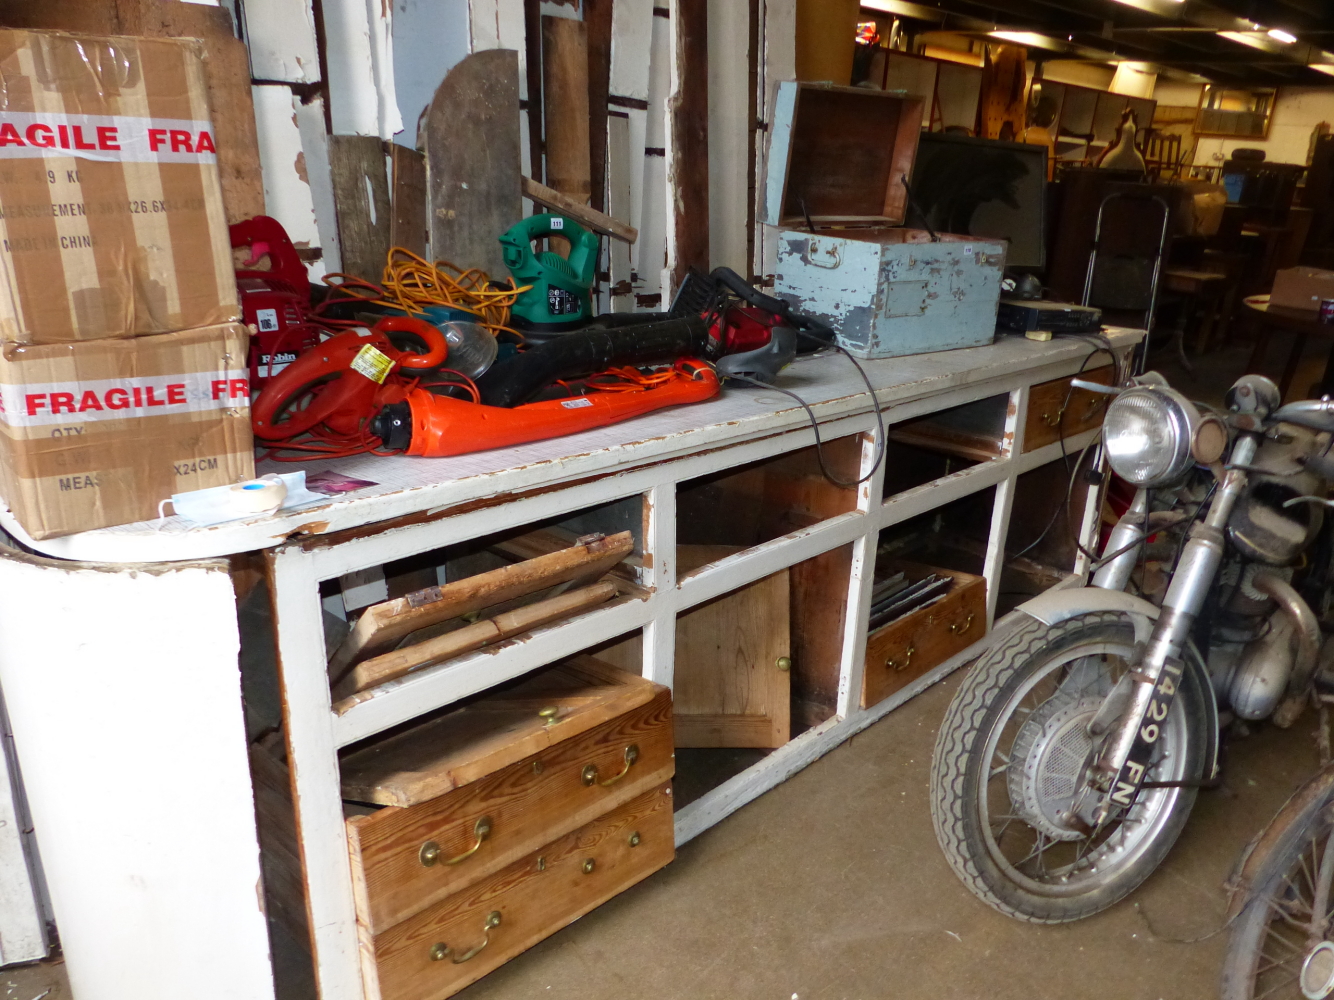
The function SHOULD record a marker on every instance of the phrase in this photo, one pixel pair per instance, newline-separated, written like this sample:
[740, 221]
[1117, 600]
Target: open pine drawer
[904, 650]
[469, 794]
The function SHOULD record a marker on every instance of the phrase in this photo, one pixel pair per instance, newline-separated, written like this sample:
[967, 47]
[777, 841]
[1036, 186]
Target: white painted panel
[778, 39]
[359, 52]
[363, 588]
[285, 167]
[315, 147]
[729, 132]
[22, 927]
[631, 40]
[281, 37]
[124, 694]
[430, 37]
[650, 251]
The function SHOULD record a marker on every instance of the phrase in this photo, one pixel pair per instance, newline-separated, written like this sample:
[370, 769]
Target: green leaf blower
[559, 299]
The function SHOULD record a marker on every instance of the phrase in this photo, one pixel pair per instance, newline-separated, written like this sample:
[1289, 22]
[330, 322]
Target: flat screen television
[983, 187]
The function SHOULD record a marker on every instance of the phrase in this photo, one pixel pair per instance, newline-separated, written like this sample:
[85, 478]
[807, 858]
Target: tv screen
[983, 187]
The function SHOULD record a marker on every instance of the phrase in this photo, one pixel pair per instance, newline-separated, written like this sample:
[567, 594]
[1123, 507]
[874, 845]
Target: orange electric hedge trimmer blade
[369, 391]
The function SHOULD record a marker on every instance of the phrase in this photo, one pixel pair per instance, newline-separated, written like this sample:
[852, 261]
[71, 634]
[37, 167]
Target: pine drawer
[487, 784]
[903, 650]
[1051, 418]
[468, 934]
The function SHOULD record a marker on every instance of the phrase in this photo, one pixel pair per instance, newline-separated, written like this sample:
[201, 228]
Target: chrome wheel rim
[1028, 856]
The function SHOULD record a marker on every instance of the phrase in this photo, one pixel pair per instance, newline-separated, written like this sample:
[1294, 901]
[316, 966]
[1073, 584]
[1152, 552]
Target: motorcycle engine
[1260, 527]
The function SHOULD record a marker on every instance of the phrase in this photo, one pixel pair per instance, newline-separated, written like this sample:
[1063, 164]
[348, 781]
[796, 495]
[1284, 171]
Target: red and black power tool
[275, 304]
[325, 400]
[386, 390]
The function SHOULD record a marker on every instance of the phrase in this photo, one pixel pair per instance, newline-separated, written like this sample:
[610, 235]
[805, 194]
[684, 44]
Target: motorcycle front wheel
[1280, 945]
[1010, 759]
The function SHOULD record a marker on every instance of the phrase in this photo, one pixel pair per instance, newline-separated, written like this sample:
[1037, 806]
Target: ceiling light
[1029, 38]
[1254, 39]
[1279, 35]
[1323, 68]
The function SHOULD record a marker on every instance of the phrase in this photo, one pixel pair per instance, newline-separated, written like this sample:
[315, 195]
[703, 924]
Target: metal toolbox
[834, 193]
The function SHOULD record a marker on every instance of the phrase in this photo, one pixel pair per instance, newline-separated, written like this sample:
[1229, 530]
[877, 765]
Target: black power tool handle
[585, 352]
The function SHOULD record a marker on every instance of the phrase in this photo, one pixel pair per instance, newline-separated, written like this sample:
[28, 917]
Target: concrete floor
[831, 887]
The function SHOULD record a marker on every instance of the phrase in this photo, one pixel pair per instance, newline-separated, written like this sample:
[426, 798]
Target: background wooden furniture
[186, 694]
[1265, 319]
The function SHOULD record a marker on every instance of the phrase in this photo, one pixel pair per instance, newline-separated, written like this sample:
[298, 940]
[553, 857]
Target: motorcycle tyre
[1248, 931]
[955, 767]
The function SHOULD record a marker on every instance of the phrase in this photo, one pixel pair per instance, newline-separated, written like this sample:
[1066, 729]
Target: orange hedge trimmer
[386, 391]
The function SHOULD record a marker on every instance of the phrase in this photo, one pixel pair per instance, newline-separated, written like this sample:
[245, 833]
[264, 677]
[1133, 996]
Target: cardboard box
[1302, 288]
[111, 218]
[98, 434]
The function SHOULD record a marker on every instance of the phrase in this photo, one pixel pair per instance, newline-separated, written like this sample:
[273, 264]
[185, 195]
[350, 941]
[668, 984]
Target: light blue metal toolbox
[834, 194]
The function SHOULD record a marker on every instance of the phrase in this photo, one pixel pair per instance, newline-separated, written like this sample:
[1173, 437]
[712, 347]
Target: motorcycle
[1074, 749]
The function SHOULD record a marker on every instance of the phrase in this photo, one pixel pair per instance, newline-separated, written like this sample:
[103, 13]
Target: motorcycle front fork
[1120, 764]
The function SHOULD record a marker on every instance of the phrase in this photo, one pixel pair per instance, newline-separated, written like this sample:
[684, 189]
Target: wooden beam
[597, 221]
[565, 105]
[407, 225]
[690, 139]
[597, 18]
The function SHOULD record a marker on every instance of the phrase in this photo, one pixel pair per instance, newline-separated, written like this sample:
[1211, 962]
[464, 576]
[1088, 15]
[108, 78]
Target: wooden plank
[532, 69]
[398, 662]
[383, 625]
[723, 730]
[597, 221]
[279, 846]
[407, 223]
[565, 106]
[598, 21]
[819, 609]
[689, 170]
[474, 185]
[731, 137]
[492, 732]
[727, 654]
[361, 199]
[535, 899]
[529, 803]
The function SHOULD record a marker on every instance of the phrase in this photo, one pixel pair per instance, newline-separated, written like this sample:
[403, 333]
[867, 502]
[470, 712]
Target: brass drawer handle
[590, 773]
[957, 629]
[1051, 420]
[895, 665]
[430, 851]
[440, 951]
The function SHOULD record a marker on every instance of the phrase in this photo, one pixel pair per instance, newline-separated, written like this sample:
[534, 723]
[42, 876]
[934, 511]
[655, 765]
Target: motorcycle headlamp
[1148, 432]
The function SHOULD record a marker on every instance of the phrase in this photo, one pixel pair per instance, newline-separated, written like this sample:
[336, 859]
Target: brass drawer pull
[590, 773]
[440, 951]
[895, 665]
[957, 629]
[1053, 420]
[430, 852]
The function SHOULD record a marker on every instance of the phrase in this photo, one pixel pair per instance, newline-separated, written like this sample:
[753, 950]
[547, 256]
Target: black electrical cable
[881, 443]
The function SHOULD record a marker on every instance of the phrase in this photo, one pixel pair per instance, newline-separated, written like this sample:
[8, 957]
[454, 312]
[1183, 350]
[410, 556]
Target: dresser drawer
[905, 649]
[1051, 418]
[461, 938]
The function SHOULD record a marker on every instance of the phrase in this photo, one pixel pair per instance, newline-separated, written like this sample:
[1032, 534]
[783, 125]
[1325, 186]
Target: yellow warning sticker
[373, 363]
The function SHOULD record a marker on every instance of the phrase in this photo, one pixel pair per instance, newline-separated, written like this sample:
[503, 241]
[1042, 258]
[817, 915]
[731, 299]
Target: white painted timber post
[124, 694]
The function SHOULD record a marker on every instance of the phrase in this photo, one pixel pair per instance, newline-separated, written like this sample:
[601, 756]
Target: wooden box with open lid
[835, 193]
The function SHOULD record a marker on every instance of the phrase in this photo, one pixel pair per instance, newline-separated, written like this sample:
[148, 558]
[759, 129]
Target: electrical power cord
[881, 442]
